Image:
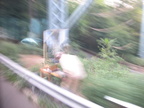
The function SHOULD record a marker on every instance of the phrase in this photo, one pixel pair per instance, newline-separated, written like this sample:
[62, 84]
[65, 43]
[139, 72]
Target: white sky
[112, 3]
[108, 2]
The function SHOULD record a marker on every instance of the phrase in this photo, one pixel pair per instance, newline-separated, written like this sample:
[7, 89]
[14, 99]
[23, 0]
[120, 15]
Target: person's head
[66, 48]
[58, 55]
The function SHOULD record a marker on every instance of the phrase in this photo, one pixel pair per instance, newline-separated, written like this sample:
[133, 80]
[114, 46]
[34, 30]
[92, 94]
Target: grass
[128, 90]
[134, 59]
[12, 77]
[104, 68]
[26, 49]
[48, 102]
[107, 77]
[13, 50]
[44, 100]
[9, 49]
[35, 68]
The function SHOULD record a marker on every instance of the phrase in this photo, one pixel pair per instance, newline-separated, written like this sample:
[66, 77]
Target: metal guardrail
[121, 103]
[63, 95]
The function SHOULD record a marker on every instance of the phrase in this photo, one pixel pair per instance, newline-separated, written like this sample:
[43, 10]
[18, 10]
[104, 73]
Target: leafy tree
[13, 8]
[15, 15]
[37, 8]
[103, 21]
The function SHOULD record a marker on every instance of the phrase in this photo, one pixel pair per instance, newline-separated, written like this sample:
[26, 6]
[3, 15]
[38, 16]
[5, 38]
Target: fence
[64, 96]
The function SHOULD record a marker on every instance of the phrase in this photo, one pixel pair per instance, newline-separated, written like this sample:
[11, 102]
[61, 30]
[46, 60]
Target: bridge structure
[56, 37]
[58, 13]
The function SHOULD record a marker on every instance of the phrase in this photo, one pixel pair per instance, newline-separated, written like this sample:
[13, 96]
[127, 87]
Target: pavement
[11, 97]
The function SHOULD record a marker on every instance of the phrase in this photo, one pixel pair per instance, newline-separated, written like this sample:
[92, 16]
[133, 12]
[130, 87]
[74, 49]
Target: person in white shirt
[73, 68]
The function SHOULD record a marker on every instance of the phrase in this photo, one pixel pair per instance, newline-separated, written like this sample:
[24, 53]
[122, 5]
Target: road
[11, 97]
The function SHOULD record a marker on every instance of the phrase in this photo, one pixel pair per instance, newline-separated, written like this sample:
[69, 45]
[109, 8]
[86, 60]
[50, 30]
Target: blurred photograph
[71, 53]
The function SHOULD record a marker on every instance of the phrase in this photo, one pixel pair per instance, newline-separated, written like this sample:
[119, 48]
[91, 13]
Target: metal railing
[121, 103]
[55, 91]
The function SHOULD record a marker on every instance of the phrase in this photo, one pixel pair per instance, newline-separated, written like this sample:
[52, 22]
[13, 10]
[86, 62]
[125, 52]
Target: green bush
[105, 68]
[9, 49]
[106, 48]
[16, 28]
[12, 50]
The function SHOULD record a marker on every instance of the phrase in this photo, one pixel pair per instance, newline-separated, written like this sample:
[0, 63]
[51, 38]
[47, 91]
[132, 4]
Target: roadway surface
[11, 97]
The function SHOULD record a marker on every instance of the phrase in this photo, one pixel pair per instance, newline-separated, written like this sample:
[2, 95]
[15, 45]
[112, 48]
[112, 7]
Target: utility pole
[57, 35]
[57, 13]
[141, 44]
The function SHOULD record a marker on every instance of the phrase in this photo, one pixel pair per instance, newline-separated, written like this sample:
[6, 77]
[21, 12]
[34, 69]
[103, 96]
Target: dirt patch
[30, 61]
[134, 67]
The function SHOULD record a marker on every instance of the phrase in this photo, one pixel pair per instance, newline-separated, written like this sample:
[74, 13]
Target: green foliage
[9, 8]
[16, 28]
[15, 18]
[13, 50]
[73, 6]
[9, 49]
[107, 77]
[35, 68]
[56, 80]
[105, 68]
[81, 54]
[102, 21]
[75, 45]
[133, 59]
[129, 90]
[38, 8]
[106, 48]
[27, 49]
[44, 101]
[47, 102]
[12, 77]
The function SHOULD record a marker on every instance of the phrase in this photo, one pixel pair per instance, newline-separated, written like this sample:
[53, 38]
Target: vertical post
[44, 52]
[57, 12]
[49, 13]
[77, 14]
[63, 10]
[141, 44]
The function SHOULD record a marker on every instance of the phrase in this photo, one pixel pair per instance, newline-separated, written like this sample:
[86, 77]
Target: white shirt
[72, 65]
